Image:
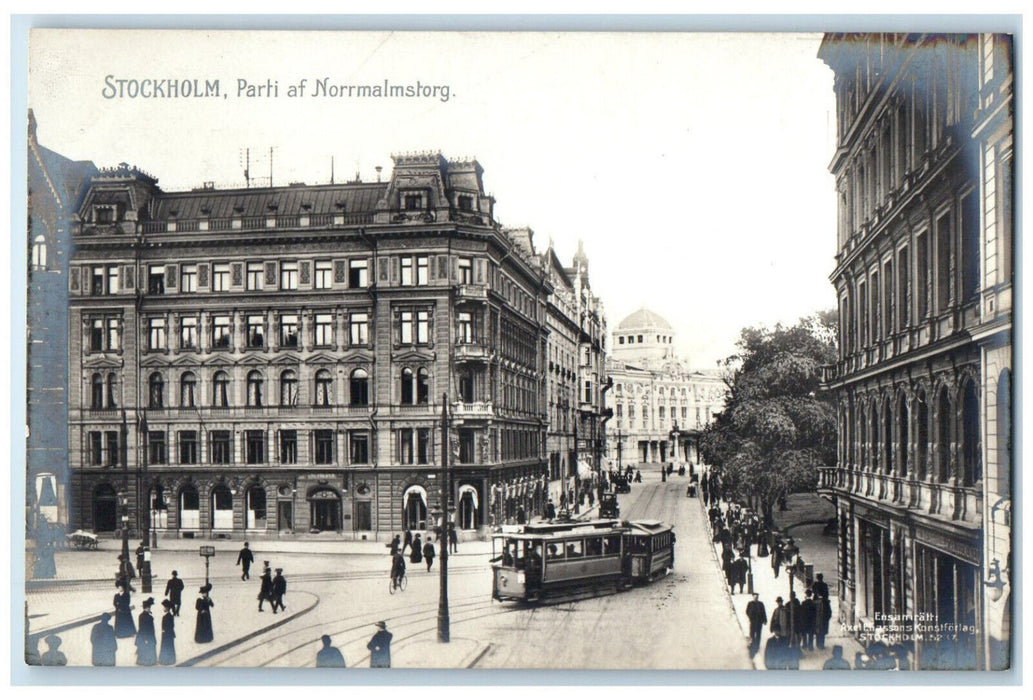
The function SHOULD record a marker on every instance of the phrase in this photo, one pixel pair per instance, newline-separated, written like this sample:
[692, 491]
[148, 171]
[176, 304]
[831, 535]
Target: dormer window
[104, 214]
[412, 201]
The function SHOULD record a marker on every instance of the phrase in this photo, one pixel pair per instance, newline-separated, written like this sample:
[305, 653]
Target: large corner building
[269, 360]
[924, 277]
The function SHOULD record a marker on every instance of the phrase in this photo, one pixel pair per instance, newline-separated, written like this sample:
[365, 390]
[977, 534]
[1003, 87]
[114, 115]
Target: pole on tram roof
[443, 633]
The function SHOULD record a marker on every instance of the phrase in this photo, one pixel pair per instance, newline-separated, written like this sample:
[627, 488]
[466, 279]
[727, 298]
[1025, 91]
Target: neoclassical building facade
[271, 360]
[924, 280]
[660, 406]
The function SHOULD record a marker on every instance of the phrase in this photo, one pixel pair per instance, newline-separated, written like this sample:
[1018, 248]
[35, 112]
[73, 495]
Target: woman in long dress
[416, 556]
[146, 643]
[167, 655]
[124, 626]
[203, 630]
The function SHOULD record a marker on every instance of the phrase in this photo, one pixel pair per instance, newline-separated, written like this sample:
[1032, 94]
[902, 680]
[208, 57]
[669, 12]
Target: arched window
[414, 508]
[408, 395]
[39, 253]
[904, 418]
[943, 436]
[971, 452]
[96, 391]
[156, 393]
[873, 437]
[288, 388]
[189, 508]
[255, 389]
[359, 388]
[887, 437]
[112, 390]
[922, 441]
[1004, 433]
[188, 390]
[221, 390]
[222, 508]
[324, 388]
[422, 386]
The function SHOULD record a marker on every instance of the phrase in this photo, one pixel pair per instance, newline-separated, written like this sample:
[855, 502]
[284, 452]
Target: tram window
[612, 544]
[533, 554]
[593, 546]
[554, 552]
[575, 549]
[637, 545]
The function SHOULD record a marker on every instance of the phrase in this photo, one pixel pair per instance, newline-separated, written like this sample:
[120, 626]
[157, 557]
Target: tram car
[537, 560]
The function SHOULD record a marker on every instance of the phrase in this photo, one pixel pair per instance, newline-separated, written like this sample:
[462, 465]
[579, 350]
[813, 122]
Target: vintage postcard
[519, 350]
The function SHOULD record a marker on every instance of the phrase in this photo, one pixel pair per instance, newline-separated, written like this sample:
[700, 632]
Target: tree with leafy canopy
[777, 426]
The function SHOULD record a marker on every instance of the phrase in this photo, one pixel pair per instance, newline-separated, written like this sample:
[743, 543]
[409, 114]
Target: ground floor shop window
[256, 514]
[947, 607]
[189, 509]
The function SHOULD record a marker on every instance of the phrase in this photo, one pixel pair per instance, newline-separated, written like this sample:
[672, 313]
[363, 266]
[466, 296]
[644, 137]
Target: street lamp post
[443, 621]
[123, 569]
[790, 553]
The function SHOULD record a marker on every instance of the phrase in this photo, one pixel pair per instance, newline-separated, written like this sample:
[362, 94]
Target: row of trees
[778, 426]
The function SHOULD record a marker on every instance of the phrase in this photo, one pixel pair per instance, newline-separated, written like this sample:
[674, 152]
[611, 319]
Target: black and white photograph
[518, 350]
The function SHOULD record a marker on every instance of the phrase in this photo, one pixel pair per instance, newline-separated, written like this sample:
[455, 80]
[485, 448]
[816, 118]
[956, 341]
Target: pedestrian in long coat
[780, 618]
[795, 621]
[124, 626]
[775, 653]
[428, 553]
[146, 642]
[265, 589]
[758, 617]
[416, 556]
[408, 540]
[245, 559]
[453, 539]
[167, 653]
[823, 614]
[139, 556]
[203, 629]
[395, 545]
[380, 647]
[174, 592]
[102, 639]
[808, 620]
[279, 590]
[739, 568]
[820, 588]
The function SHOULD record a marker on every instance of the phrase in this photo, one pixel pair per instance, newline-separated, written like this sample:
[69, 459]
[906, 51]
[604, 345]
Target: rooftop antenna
[270, 166]
[247, 168]
[331, 170]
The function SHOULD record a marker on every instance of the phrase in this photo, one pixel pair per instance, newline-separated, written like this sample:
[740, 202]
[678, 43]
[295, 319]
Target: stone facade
[923, 277]
[660, 407]
[271, 360]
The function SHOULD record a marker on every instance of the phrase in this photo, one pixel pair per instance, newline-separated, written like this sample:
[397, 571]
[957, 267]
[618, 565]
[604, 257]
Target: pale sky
[693, 166]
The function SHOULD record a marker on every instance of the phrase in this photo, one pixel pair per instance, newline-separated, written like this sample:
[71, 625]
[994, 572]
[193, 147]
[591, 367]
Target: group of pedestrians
[420, 551]
[104, 638]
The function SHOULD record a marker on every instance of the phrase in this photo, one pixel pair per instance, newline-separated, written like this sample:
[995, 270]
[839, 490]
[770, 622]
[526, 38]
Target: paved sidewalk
[768, 587]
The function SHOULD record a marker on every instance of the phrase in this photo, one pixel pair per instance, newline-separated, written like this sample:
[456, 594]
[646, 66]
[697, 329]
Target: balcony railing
[471, 292]
[946, 500]
[473, 409]
[471, 351]
[251, 223]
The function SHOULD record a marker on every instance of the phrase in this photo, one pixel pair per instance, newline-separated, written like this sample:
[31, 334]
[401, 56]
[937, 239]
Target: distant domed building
[660, 406]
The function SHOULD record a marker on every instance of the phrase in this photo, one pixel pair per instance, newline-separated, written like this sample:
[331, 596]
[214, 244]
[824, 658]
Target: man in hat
[53, 656]
[265, 590]
[245, 559]
[279, 590]
[146, 642]
[102, 639]
[139, 555]
[328, 656]
[380, 647]
[174, 592]
[758, 617]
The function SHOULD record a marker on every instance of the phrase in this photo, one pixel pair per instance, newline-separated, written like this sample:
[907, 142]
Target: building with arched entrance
[924, 277]
[272, 360]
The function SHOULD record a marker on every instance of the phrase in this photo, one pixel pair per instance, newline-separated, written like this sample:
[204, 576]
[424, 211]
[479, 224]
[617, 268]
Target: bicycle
[398, 583]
